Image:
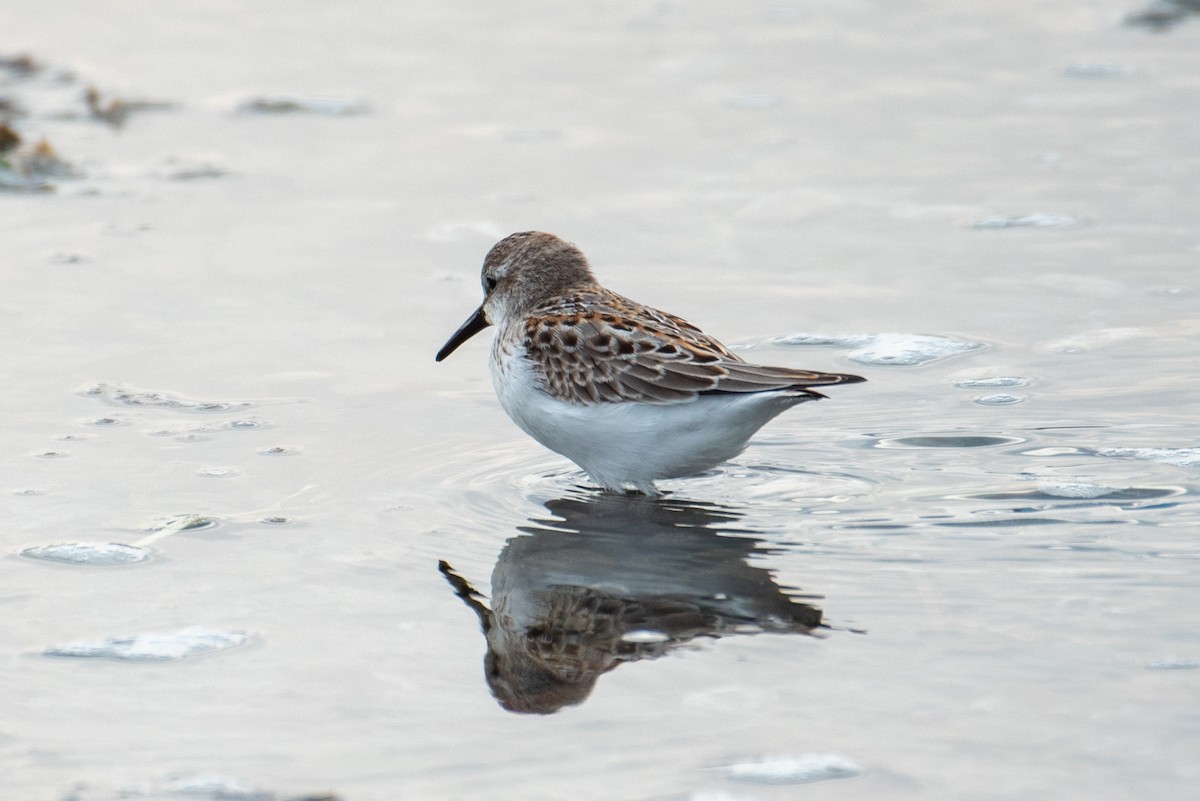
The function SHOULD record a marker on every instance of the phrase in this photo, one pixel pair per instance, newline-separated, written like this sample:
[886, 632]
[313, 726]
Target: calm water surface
[258, 546]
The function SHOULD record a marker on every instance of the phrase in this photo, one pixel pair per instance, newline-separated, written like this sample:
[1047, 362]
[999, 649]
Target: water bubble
[947, 441]
[999, 400]
[992, 383]
[1052, 451]
[182, 522]
[217, 472]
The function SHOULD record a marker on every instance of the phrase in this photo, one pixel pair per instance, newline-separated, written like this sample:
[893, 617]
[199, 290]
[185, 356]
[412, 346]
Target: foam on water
[996, 382]
[182, 522]
[1057, 491]
[800, 769]
[133, 397]
[888, 348]
[1174, 663]
[154, 647]
[200, 786]
[88, 553]
[1180, 457]
[1072, 489]
[215, 787]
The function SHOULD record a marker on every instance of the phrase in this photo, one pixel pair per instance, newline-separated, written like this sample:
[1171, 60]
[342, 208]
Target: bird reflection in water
[614, 579]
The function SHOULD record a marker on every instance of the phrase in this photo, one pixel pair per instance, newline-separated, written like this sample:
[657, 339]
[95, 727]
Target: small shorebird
[629, 393]
[606, 580]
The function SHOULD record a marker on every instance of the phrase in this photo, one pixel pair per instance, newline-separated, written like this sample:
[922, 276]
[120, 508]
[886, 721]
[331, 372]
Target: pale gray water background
[1012, 588]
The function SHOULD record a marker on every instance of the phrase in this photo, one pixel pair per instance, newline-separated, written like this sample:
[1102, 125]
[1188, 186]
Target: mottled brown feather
[594, 346]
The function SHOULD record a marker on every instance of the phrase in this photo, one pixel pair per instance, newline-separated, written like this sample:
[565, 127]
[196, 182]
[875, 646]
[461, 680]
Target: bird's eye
[489, 283]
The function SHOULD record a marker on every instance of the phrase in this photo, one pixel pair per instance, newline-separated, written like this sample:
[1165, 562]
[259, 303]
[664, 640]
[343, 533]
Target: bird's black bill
[474, 324]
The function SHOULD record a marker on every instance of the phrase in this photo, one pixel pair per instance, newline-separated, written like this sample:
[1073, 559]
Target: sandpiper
[631, 394]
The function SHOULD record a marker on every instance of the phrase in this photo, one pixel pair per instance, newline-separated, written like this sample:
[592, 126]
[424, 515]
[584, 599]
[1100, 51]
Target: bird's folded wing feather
[598, 355]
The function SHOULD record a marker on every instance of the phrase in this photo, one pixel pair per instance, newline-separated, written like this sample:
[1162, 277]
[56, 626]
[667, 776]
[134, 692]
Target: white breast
[629, 442]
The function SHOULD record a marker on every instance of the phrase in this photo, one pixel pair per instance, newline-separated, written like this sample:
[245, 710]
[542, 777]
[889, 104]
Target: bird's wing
[595, 352]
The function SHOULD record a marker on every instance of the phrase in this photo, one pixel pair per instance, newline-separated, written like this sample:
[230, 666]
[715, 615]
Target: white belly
[631, 443]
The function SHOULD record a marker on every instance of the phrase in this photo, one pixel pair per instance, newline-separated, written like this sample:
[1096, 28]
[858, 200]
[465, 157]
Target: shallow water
[230, 467]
